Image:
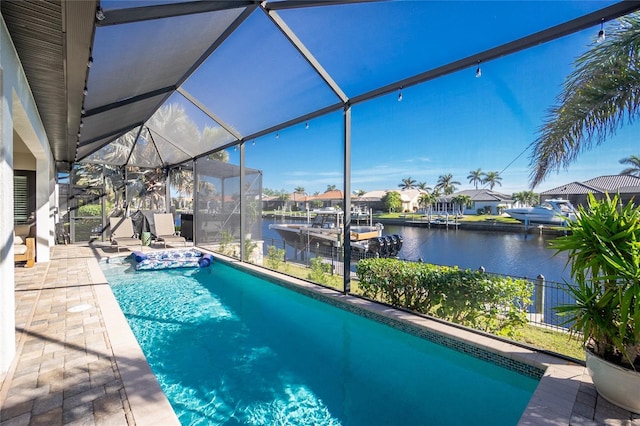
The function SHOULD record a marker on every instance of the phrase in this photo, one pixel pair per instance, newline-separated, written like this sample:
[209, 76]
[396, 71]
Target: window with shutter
[24, 205]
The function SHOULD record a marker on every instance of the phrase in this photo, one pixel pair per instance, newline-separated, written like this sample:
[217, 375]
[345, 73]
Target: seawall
[478, 226]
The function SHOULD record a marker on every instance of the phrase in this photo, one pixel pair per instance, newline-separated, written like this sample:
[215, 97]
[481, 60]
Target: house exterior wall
[23, 161]
[487, 204]
[18, 113]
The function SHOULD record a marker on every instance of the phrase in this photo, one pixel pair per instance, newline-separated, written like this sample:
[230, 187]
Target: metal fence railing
[546, 295]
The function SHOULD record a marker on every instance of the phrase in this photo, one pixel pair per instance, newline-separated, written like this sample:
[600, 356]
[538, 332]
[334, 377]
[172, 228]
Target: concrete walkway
[78, 363]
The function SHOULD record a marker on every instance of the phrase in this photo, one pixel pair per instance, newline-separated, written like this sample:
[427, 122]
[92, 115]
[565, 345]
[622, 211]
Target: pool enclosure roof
[106, 75]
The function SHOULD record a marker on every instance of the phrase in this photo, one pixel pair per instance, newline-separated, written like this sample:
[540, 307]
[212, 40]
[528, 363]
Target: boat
[326, 230]
[552, 212]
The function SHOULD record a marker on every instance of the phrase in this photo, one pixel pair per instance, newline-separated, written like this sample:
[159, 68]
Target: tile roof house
[373, 199]
[576, 192]
[482, 199]
[334, 198]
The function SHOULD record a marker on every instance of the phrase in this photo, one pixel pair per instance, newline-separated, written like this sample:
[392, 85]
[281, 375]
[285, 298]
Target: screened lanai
[203, 108]
[243, 70]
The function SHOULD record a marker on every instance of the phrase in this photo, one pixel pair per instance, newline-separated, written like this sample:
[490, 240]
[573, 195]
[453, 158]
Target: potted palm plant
[603, 248]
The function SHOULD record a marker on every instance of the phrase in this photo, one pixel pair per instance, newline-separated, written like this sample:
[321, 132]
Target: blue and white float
[169, 259]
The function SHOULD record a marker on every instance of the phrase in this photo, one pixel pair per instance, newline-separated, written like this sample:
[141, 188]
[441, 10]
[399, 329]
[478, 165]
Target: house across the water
[576, 192]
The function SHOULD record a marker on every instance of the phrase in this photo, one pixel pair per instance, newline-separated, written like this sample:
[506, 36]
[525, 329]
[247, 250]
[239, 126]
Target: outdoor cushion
[22, 231]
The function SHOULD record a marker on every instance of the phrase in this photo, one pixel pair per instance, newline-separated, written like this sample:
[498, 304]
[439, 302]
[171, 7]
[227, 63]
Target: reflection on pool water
[229, 347]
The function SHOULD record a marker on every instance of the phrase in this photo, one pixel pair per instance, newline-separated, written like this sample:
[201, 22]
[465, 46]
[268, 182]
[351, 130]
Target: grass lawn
[301, 271]
[552, 340]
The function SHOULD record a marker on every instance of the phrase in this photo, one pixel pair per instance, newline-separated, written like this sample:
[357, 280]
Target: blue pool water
[230, 348]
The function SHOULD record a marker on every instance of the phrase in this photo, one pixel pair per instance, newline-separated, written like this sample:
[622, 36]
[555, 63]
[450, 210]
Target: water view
[508, 253]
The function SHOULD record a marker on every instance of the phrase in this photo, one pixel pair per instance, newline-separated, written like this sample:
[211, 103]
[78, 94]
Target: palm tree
[212, 137]
[475, 177]
[206, 189]
[298, 190]
[634, 162]
[426, 200]
[600, 95]
[182, 181]
[462, 201]
[331, 188]
[526, 198]
[446, 184]
[173, 124]
[284, 197]
[119, 150]
[492, 178]
[423, 186]
[407, 183]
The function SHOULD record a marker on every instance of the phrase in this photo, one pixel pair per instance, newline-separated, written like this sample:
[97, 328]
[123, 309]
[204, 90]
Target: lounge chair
[122, 235]
[165, 229]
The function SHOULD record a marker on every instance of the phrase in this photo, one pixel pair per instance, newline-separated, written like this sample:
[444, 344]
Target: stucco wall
[18, 113]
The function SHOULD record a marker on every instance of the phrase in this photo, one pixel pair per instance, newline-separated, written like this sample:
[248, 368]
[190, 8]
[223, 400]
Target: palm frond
[601, 95]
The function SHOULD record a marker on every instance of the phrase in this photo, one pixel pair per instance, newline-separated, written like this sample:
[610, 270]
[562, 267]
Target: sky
[453, 124]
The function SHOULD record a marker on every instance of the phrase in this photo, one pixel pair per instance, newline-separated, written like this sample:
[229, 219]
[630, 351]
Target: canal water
[516, 254]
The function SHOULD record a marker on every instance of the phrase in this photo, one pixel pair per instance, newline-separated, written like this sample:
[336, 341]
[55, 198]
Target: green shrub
[319, 271]
[226, 238]
[90, 210]
[494, 304]
[275, 257]
[249, 247]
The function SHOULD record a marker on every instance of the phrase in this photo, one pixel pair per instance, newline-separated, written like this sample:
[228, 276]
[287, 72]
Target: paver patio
[78, 363]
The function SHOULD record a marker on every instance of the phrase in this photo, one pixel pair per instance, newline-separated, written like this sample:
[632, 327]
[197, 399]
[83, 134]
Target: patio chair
[122, 235]
[24, 245]
[165, 229]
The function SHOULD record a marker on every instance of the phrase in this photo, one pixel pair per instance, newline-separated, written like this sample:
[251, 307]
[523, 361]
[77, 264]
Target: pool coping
[139, 382]
[551, 403]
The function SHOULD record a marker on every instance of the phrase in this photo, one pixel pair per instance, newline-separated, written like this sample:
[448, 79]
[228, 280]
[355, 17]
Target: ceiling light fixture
[400, 94]
[601, 33]
[83, 111]
[85, 91]
[478, 71]
[100, 14]
[81, 124]
[90, 62]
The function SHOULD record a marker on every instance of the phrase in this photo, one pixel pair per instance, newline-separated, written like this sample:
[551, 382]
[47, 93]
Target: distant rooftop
[483, 195]
[599, 185]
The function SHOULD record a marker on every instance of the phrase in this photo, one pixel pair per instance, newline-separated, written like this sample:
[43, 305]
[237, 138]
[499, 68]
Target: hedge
[491, 303]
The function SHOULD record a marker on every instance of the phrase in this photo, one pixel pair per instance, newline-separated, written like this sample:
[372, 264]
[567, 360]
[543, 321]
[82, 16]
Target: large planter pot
[617, 385]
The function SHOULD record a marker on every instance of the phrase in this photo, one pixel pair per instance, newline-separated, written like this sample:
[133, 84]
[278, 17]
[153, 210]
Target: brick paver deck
[78, 363]
[68, 370]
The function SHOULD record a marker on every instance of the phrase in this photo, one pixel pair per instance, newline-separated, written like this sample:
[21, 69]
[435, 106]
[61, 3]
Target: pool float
[169, 259]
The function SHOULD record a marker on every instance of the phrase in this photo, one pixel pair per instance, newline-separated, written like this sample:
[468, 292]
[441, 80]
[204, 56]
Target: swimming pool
[229, 347]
